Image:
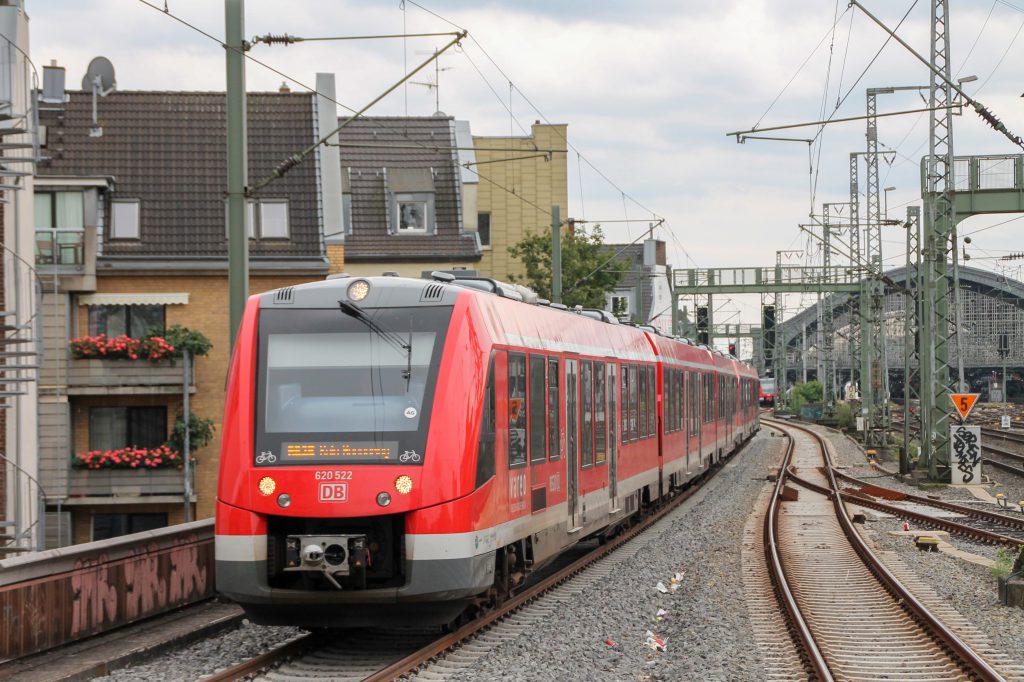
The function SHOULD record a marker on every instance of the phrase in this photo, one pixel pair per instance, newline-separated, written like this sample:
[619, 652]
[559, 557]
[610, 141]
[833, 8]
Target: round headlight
[267, 485]
[284, 500]
[358, 290]
[403, 484]
[383, 499]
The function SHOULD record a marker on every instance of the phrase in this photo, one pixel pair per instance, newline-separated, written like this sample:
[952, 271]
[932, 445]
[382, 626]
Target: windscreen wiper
[390, 337]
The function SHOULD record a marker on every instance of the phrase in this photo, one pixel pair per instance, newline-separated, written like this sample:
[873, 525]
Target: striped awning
[134, 299]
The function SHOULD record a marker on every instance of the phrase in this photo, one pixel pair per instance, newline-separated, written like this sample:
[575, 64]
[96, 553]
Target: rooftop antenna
[99, 77]
[436, 85]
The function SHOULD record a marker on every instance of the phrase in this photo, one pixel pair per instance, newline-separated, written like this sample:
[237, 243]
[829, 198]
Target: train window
[554, 444]
[612, 443]
[652, 403]
[709, 397]
[624, 382]
[678, 392]
[633, 406]
[516, 409]
[587, 399]
[485, 451]
[538, 409]
[600, 416]
[642, 395]
[666, 391]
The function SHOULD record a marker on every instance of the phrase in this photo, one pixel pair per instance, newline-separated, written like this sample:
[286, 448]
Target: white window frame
[254, 219]
[117, 231]
[264, 204]
[425, 200]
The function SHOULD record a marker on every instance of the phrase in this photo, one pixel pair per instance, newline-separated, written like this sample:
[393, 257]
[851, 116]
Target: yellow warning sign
[964, 402]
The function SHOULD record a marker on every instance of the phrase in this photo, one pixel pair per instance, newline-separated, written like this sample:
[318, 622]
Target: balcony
[126, 483]
[60, 247]
[127, 377]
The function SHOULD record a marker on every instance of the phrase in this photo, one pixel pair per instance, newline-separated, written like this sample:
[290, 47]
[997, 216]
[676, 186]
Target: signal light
[267, 486]
[403, 484]
[732, 349]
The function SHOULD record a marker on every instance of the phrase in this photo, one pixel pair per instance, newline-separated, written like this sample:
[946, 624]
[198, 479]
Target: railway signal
[964, 403]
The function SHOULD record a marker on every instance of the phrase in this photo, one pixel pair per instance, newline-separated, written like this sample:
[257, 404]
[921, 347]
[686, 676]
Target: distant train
[406, 449]
[766, 391]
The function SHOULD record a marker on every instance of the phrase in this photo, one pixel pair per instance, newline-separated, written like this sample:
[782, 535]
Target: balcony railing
[125, 482]
[60, 247]
[126, 377]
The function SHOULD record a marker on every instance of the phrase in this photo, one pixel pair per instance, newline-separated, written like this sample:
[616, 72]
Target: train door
[572, 441]
[613, 442]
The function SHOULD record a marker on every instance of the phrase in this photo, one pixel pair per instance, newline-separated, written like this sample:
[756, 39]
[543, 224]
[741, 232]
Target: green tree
[589, 271]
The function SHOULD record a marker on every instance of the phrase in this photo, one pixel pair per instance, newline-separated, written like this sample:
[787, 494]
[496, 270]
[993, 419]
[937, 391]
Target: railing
[60, 247]
[983, 173]
[126, 482]
[87, 376]
[781, 277]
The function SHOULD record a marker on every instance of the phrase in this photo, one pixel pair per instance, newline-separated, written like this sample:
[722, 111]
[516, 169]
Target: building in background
[644, 295]
[519, 179]
[402, 198]
[131, 238]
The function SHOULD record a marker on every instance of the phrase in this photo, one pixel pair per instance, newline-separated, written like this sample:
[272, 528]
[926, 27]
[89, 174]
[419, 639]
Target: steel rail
[264, 661]
[973, 663]
[992, 517]
[807, 645]
[415, 660]
[1003, 451]
[1002, 465]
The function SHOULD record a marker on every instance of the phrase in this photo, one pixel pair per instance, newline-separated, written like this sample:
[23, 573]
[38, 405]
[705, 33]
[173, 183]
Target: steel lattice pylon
[939, 224]
[911, 328]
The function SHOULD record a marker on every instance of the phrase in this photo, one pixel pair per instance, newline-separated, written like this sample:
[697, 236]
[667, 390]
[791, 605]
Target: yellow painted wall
[508, 191]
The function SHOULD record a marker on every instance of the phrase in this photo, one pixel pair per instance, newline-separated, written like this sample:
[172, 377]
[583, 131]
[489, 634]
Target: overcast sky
[648, 89]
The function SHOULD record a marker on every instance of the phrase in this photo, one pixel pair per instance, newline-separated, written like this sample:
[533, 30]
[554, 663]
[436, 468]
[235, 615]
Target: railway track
[853, 618]
[380, 655]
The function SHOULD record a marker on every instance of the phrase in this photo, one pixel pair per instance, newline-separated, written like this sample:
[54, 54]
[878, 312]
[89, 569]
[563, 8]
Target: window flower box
[125, 482]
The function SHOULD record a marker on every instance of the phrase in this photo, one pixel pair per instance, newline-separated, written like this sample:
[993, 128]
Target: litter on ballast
[654, 642]
[660, 587]
[609, 642]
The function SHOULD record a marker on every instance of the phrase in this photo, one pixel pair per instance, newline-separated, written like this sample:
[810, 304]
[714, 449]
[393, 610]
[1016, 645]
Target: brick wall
[206, 312]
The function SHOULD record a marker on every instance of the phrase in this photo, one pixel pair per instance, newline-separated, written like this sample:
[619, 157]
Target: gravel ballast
[208, 656]
[969, 587]
[601, 633]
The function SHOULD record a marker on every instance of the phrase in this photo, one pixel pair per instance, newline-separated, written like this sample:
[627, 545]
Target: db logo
[334, 492]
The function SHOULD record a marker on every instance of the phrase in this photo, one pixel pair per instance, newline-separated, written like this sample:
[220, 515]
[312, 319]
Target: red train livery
[407, 449]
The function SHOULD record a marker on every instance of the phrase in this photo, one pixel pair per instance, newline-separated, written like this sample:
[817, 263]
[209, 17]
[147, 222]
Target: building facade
[131, 242]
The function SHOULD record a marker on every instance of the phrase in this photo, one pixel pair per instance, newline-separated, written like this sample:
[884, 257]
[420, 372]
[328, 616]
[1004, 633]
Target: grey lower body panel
[436, 592]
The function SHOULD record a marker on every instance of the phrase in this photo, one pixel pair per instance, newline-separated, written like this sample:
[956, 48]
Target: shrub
[844, 415]
[184, 339]
[200, 433]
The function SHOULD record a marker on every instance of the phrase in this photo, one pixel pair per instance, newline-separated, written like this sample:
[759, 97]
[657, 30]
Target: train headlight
[383, 498]
[358, 290]
[267, 486]
[403, 484]
[284, 500]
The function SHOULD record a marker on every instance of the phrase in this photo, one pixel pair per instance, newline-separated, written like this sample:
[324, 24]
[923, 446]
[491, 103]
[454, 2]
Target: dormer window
[411, 199]
[124, 219]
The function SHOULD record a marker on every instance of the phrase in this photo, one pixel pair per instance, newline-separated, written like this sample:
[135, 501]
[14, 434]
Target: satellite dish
[100, 75]
[99, 78]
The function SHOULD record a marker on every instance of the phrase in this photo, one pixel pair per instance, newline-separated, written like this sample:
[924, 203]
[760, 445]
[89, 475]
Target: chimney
[53, 83]
[284, 89]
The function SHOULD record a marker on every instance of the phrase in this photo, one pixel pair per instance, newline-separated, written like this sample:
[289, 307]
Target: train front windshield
[344, 388]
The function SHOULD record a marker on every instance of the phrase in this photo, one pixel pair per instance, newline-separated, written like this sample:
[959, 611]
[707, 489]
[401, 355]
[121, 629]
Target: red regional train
[402, 450]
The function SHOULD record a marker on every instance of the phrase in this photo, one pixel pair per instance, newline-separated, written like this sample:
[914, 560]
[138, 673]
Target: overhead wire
[314, 91]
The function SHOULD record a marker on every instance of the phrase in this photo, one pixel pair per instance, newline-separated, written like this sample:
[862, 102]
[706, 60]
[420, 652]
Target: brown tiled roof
[169, 150]
[419, 143]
